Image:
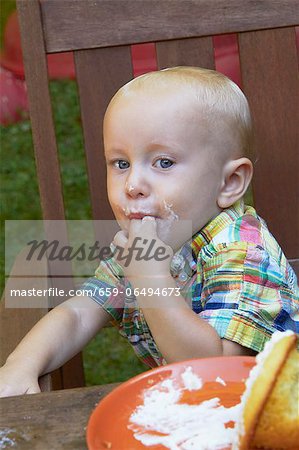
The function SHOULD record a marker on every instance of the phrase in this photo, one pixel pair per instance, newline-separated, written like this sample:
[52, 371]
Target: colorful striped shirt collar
[186, 258]
[216, 225]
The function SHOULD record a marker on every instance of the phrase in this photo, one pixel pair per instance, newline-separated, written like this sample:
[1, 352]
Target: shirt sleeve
[245, 296]
[107, 288]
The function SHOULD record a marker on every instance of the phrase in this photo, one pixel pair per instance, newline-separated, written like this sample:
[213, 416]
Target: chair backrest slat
[88, 24]
[270, 79]
[186, 52]
[100, 73]
[43, 131]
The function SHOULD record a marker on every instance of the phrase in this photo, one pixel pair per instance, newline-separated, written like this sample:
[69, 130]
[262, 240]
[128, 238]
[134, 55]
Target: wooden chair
[100, 33]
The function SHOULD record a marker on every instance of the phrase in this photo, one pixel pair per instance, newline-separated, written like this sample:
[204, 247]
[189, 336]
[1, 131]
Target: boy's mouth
[162, 213]
[139, 216]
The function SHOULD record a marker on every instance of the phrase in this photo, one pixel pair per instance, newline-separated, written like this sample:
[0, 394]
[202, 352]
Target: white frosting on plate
[163, 420]
[191, 381]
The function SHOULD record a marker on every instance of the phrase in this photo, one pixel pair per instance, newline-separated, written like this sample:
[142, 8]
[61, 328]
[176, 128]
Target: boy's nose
[136, 186]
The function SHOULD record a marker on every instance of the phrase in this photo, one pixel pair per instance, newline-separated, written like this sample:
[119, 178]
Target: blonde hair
[216, 95]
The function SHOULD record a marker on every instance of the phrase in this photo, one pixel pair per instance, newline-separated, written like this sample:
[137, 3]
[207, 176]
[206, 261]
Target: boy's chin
[174, 233]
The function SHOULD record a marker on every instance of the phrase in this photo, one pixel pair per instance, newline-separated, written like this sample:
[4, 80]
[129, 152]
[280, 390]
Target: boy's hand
[142, 254]
[17, 380]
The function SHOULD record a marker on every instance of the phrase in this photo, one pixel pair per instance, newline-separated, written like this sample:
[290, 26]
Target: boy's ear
[237, 175]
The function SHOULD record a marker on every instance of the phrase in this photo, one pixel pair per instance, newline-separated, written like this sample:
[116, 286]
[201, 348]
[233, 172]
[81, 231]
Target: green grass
[109, 358]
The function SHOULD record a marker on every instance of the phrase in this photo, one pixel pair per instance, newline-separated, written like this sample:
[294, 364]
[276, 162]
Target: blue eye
[164, 163]
[121, 164]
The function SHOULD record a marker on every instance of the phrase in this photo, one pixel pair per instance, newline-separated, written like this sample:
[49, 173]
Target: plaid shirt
[233, 274]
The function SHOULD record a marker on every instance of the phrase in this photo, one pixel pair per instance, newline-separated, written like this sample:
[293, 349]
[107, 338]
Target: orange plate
[108, 424]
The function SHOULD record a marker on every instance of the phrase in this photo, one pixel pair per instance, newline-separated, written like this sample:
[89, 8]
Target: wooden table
[50, 420]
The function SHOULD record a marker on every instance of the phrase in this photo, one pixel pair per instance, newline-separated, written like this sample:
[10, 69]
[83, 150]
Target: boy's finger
[120, 239]
[144, 227]
[134, 228]
[149, 226]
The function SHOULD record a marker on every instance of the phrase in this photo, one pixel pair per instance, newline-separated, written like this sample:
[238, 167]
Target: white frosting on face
[129, 187]
[166, 223]
[127, 211]
[164, 215]
[167, 212]
[170, 229]
[170, 213]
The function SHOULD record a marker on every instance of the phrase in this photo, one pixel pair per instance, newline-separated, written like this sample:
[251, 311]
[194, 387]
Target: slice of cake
[269, 405]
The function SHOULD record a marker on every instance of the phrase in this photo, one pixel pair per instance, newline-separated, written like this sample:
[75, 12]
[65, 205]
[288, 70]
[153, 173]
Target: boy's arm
[178, 332]
[55, 339]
